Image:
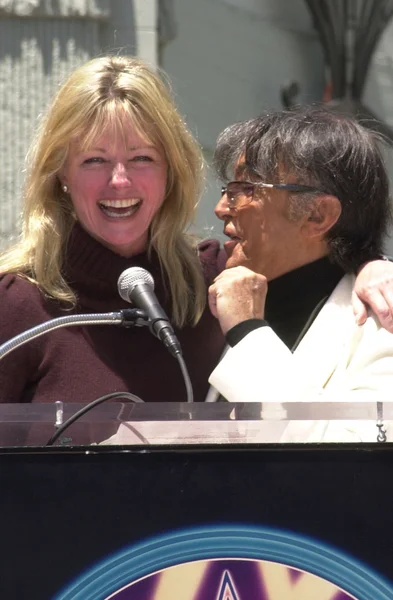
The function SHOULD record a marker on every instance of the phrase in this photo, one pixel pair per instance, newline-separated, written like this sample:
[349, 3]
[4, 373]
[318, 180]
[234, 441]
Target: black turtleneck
[292, 300]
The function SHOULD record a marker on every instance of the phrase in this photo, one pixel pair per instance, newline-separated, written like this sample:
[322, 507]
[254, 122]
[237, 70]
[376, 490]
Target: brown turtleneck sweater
[79, 364]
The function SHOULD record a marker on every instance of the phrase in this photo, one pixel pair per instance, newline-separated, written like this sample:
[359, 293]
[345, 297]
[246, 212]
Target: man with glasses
[307, 206]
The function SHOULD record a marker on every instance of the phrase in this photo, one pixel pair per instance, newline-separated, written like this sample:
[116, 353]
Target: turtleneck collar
[92, 270]
[304, 285]
[292, 298]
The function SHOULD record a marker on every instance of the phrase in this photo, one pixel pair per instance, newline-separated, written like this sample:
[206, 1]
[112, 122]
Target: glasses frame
[290, 187]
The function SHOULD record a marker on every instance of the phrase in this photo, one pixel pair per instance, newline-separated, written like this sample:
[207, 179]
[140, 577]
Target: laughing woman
[113, 180]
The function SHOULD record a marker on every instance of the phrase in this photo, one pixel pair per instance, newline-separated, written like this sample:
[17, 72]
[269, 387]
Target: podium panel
[211, 522]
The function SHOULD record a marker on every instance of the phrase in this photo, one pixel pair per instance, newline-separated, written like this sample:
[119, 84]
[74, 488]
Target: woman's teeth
[120, 208]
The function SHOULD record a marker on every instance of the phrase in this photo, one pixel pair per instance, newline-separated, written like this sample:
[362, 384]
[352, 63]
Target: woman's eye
[142, 158]
[93, 160]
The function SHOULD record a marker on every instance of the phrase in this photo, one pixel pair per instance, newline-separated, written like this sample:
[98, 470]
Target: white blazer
[335, 361]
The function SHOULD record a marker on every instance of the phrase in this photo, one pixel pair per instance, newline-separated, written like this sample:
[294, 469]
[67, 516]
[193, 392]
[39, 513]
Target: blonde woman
[113, 180]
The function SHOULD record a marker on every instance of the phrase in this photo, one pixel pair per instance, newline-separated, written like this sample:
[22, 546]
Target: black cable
[186, 377]
[126, 395]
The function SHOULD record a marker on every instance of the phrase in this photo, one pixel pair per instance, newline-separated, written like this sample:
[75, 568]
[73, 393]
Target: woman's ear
[324, 213]
[60, 178]
[61, 175]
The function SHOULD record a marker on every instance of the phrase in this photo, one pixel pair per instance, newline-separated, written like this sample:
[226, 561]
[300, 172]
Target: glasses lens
[239, 192]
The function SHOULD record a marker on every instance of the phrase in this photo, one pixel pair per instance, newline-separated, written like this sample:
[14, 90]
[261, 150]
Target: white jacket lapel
[321, 348]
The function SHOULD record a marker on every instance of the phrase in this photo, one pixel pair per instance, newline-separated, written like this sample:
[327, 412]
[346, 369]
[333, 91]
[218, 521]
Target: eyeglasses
[240, 193]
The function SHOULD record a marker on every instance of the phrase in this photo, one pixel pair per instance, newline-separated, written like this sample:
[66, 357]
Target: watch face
[229, 563]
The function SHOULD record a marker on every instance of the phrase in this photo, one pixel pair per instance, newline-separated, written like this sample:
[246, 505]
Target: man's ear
[324, 213]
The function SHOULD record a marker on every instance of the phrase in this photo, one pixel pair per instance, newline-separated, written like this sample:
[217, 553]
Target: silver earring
[65, 189]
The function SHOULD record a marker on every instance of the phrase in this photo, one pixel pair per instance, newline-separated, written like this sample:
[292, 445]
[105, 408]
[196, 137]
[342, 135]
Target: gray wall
[228, 63]
[227, 60]
[230, 59]
[378, 96]
[40, 43]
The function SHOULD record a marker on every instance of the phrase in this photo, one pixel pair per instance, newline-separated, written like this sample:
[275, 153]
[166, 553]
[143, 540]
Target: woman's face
[116, 188]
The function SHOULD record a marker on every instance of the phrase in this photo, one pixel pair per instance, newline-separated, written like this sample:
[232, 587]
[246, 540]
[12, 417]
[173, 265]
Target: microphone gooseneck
[136, 285]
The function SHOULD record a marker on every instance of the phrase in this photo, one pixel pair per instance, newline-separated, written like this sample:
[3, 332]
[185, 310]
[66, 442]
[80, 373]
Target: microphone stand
[127, 317]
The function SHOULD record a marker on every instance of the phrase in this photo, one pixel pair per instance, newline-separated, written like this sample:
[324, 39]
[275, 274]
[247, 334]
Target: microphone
[136, 285]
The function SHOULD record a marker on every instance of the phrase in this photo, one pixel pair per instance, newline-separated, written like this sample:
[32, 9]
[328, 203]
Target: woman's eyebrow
[147, 147]
[130, 148]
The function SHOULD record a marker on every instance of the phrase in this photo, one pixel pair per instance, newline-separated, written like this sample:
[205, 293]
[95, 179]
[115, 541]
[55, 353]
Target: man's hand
[236, 295]
[374, 288]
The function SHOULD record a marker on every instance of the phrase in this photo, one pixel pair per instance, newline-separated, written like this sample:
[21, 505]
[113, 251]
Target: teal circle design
[228, 541]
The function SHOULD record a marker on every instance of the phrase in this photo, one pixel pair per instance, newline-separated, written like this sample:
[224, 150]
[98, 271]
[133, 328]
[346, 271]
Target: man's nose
[222, 209]
[120, 175]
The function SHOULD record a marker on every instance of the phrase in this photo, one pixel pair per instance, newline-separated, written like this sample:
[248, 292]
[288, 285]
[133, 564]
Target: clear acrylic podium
[76, 517]
[122, 423]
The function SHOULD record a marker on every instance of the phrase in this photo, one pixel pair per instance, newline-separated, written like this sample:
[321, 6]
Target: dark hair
[327, 150]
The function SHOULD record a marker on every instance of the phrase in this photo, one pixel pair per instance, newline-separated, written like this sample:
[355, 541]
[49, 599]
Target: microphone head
[132, 277]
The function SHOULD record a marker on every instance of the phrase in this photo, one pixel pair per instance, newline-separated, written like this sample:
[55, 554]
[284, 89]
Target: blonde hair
[100, 94]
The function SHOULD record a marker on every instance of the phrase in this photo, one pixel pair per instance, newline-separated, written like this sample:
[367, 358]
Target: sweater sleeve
[21, 309]
[239, 331]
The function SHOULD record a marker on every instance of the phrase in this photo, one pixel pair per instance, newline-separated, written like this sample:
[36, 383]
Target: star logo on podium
[227, 589]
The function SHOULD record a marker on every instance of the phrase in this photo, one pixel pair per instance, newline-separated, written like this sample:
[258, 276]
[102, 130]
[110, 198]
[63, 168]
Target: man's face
[262, 237]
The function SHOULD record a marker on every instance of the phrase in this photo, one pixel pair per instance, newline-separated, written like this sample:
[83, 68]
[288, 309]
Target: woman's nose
[120, 175]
